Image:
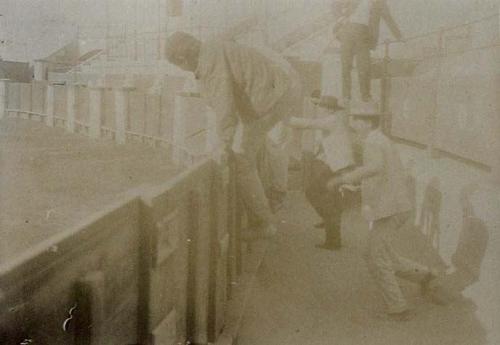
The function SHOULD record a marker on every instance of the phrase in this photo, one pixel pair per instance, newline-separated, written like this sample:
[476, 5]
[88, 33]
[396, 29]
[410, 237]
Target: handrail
[442, 30]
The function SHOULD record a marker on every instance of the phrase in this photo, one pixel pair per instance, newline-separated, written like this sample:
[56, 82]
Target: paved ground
[306, 296]
[51, 180]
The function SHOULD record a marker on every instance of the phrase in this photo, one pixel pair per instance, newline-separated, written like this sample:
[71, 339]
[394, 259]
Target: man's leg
[381, 265]
[316, 192]
[363, 64]
[276, 167]
[327, 204]
[249, 183]
[346, 56]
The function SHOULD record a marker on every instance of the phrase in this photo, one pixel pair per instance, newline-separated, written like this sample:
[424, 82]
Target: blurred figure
[469, 254]
[357, 28]
[387, 206]
[333, 157]
[242, 86]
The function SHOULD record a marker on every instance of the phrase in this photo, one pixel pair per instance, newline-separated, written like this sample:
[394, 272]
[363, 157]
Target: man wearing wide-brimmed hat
[386, 205]
[333, 156]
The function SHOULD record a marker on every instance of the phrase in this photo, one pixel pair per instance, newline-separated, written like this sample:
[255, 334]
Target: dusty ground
[307, 296]
[50, 179]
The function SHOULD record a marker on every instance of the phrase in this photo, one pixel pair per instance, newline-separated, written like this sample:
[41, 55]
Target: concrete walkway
[307, 296]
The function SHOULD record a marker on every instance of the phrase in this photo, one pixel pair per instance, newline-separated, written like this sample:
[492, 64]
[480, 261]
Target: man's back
[386, 193]
[254, 82]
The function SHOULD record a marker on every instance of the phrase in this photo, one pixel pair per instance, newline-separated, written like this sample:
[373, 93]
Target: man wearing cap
[334, 156]
[242, 86]
[386, 205]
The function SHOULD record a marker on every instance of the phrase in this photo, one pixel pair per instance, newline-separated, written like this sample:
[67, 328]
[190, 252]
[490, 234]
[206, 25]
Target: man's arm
[385, 13]
[313, 123]
[373, 163]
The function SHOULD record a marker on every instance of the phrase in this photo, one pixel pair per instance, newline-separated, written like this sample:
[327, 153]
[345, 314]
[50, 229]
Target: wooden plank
[60, 101]
[14, 97]
[41, 282]
[38, 94]
[109, 109]
[25, 99]
[82, 105]
[3, 98]
[137, 109]
[152, 115]
[95, 111]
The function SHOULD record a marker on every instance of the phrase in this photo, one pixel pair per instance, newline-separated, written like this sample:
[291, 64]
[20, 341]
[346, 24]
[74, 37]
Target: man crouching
[386, 205]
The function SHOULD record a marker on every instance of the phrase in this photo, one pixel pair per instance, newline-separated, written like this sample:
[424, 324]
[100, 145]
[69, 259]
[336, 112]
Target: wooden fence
[153, 269]
[175, 120]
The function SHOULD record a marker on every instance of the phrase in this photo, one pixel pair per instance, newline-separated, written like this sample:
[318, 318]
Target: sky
[34, 28]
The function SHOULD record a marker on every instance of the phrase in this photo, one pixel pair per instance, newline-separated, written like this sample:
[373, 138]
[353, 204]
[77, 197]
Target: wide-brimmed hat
[328, 102]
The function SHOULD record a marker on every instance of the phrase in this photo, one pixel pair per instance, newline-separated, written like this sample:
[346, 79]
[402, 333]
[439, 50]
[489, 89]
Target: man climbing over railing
[357, 28]
[242, 86]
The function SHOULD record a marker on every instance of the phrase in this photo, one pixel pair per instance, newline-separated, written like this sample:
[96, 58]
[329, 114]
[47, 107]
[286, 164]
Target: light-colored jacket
[238, 82]
[384, 191]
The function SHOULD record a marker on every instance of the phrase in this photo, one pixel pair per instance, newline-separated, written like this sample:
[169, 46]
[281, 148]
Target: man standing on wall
[357, 29]
[241, 85]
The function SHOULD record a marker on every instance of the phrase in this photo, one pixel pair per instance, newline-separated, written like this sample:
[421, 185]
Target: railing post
[49, 105]
[121, 113]
[71, 108]
[95, 111]
[384, 90]
[3, 98]
[212, 139]
[431, 144]
[179, 128]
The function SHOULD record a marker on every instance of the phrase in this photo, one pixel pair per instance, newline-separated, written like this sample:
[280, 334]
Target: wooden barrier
[3, 98]
[120, 114]
[153, 269]
[39, 289]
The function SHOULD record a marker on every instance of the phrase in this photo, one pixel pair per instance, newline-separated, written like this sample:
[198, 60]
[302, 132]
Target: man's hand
[335, 183]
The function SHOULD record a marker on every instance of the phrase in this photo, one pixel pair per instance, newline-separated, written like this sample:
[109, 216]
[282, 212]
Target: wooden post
[49, 105]
[179, 129]
[431, 144]
[95, 111]
[40, 70]
[384, 91]
[3, 98]
[71, 108]
[121, 113]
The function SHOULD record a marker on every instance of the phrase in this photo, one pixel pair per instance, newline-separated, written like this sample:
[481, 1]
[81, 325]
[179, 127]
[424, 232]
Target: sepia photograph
[250, 172]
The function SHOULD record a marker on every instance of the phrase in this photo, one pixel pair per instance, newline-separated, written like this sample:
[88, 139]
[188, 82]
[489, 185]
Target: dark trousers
[355, 42]
[328, 205]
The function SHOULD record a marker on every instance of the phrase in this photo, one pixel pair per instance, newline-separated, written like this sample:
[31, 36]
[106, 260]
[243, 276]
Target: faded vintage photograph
[250, 172]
